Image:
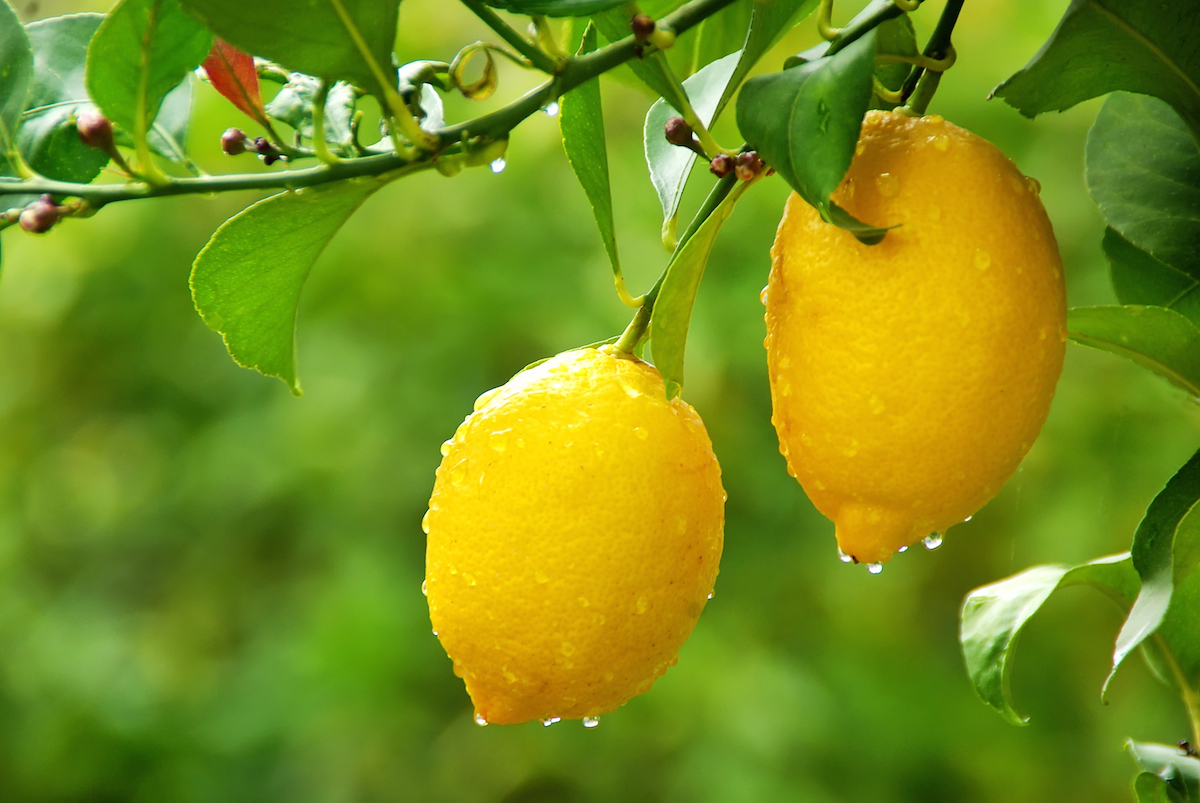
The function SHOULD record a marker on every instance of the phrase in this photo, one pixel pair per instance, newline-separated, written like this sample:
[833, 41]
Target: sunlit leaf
[233, 74]
[1143, 169]
[582, 122]
[673, 307]
[247, 281]
[16, 73]
[1154, 337]
[1180, 774]
[993, 616]
[1153, 557]
[1139, 278]
[349, 40]
[1143, 46]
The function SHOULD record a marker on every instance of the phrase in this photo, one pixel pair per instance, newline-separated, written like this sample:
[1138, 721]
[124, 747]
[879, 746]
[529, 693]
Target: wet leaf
[1143, 46]
[247, 281]
[1156, 338]
[993, 616]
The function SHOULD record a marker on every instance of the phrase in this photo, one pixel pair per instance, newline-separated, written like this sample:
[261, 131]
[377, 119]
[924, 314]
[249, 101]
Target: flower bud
[748, 165]
[678, 132]
[721, 165]
[95, 130]
[265, 150]
[40, 216]
[233, 141]
[642, 26]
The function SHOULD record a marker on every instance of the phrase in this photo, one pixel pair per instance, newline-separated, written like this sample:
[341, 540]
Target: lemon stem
[921, 83]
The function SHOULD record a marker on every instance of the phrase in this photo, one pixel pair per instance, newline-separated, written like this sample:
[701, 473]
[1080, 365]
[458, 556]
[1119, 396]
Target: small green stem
[537, 57]
[937, 47]
[825, 21]
[318, 109]
[860, 25]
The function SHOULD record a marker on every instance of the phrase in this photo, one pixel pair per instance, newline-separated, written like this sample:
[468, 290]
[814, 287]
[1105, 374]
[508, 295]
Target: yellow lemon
[574, 534]
[909, 378]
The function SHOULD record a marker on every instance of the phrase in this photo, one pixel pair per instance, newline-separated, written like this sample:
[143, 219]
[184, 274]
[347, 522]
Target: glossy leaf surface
[1154, 337]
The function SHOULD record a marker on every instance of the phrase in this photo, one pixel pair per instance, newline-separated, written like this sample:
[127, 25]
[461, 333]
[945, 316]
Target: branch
[537, 57]
[574, 70]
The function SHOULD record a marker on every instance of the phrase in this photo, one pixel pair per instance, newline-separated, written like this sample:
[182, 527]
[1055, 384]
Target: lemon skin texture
[909, 379]
[574, 533]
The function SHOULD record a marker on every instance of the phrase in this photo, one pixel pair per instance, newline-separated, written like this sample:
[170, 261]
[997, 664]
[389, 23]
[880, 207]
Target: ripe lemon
[909, 379]
[574, 530]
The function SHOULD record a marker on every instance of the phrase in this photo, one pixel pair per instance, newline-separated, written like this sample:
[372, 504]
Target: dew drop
[934, 118]
[469, 579]
[1034, 185]
[641, 432]
[567, 648]
[763, 295]
[642, 605]
[551, 108]
[458, 474]
[983, 260]
[941, 142]
[711, 594]
[446, 447]
[860, 149]
[888, 185]
[843, 557]
[424, 588]
[875, 568]
[499, 440]
[435, 632]
[540, 577]
[591, 722]
[498, 165]
[932, 541]
[608, 676]
[968, 518]
[425, 523]
[548, 722]
[480, 720]
[902, 549]
[785, 388]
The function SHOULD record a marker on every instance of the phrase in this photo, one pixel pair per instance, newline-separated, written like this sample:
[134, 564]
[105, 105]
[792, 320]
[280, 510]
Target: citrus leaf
[1180, 628]
[581, 120]
[246, 282]
[722, 33]
[1144, 46]
[768, 23]
[993, 616]
[233, 74]
[555, 8]
[1156, 338]
[1139, 278]
[673, 306]
[142, 50]
[168, 135]
[336, 39]
[16, 73]
[1153, 557]
[805, 121]
[1143, 170]
[1149, 788]
[293, 104]
[670, 165]
[895, 37]
[47, 136]
[1181, 774]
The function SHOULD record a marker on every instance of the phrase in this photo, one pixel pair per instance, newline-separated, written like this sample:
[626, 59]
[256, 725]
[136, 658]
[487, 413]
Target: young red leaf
[232, 73]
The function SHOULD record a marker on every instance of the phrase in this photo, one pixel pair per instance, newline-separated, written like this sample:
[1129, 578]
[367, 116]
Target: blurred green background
[210, 590]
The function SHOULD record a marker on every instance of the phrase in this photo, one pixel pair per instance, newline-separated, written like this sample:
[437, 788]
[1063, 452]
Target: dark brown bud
[748, 165]
[265, 150]
[678, 132]
[95, 130]
[233, 141]
[40, 216]
[721, 165]
[642, 26]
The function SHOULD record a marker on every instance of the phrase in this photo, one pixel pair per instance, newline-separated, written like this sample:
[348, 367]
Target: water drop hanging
[548, 722]
[875, 568]
[932, 541]
[551, 108]
[843, 557]
[591, 722]
[480, 720]
[498, 165]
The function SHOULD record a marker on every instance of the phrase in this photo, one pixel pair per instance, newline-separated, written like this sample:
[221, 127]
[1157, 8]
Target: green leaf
[349, 40]
[895, 37]
[1153, 557]
[722, 33]
[1154, 337]
[670, 165]
[1139, 278]
[16, 73]
[555, 8]
[142, 51]
[293, 104]
[1149, 788]
[614, 26]
[673, 307]
[1180, 773]
[993, 616]
[1143, 46]
[1143, 169]
[582, 123]
[246, 283]
[47, 137]
[1180, 628]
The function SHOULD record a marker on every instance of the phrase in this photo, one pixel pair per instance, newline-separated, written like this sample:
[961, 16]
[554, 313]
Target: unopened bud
[95, 130]
[721, 165]
[233, 141]
[40, 216]
[642, 26]
[678, 132]
[748, 165]
[662, 38]
[265, 150]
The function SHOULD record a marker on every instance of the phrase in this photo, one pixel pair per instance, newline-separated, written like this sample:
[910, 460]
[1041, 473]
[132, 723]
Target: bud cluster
[95, 131]
[40, 216]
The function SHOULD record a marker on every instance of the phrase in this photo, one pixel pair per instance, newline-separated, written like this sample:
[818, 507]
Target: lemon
[574, 533]
[909, 379]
